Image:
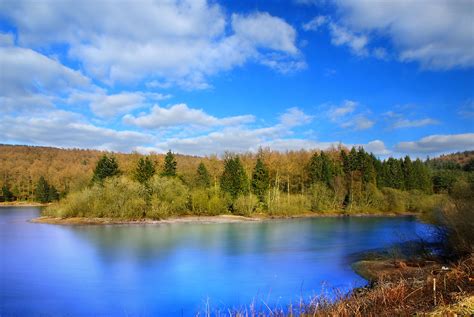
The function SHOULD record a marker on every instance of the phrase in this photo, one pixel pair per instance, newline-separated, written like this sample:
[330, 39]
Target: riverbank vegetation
[268, 182]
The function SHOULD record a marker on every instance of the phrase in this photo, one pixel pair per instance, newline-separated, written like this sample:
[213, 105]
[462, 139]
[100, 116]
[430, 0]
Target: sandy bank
[112, 221]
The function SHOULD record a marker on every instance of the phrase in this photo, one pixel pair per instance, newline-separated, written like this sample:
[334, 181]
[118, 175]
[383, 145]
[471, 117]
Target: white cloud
[181, 114]
[377, 147]
[31, 80]
[359, 122]
[264, 30]
[66, 129]
[398, 120]
[405, 123]
[439, 34]
[343, 36]
[435, 144]
[166, 42]
[315, 23]
[110, 105]
[347, 107]
[244, 138]
[295, 117]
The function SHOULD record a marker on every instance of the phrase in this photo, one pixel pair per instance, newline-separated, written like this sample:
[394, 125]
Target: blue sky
[202, 77]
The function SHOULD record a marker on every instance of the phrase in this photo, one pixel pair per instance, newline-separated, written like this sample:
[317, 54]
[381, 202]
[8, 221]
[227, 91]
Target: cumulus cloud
[66, 129]
[348, 115]
[435, 144]
[110, 105]
[181, 114]
[29, 79]
[438, 33]
[377, 147]
[244, 138]
[167, 42]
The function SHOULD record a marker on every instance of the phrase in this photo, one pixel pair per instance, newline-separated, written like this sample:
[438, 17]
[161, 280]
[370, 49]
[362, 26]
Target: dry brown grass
[408, 292]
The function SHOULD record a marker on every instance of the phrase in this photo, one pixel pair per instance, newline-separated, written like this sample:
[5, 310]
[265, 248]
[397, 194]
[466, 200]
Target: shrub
[287, 205]
[321, 197]
[394, 200]
[169, 196]
[456, 221]
[245, 205]
[118, 197]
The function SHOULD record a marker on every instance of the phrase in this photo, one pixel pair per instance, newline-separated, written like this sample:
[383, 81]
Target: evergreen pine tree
[202, 176]
[6, 193]
[106, 167]
[53, 193]
[260, 180]
[409, 174]
[169, 169]
[327, 169]
[315, 169]
[42, 190]
[145, 170]
[234, 180]
[422, 177]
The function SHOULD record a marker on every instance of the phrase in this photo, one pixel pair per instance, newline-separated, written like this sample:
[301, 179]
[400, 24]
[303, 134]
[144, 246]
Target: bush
[209, 202]
[321, 197]
[169, 196]
[287, 205]
[421, 202]
[245, 205]
[118, 197]
[394, 200]
[456, 221]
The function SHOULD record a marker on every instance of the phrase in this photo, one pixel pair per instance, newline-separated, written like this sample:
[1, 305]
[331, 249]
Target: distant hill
[457, 160]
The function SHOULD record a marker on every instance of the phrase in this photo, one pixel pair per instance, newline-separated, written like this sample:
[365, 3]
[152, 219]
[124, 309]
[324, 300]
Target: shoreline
[193, 219]
[22, 204]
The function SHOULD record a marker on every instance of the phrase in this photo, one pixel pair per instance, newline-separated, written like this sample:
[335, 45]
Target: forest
[91, 183]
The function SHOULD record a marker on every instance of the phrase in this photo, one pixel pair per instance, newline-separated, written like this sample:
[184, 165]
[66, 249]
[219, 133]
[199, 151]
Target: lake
[180, 269]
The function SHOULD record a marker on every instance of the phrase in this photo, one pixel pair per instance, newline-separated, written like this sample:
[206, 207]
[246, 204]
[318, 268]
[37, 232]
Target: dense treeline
[331, 181]
[268, 181]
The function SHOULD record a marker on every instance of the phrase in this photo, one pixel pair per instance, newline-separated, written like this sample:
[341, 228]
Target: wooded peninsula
[90, 183]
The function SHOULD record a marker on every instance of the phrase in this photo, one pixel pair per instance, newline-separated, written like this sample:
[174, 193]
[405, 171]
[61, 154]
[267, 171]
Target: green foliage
[53, 194]
[260, 180]
[145, 170]
[7, 194]
[443, 181]
[234, 180]
[203, 180]
[208, 202]
[287, 204]
[245, 205]
[169, 196]
[393, 174]
[395, 200]
[116, 197]
[372, 199]
[322, 198]
[42, 190]
[169, 169]
[469, 167]
[106, 167]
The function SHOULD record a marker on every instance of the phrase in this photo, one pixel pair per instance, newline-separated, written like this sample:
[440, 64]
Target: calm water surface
[176, 269]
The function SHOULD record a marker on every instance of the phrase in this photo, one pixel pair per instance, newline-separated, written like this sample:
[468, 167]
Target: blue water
[180, 269]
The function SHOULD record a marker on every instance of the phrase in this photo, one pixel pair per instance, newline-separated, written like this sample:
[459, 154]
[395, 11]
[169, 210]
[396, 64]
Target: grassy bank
[22, 204]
